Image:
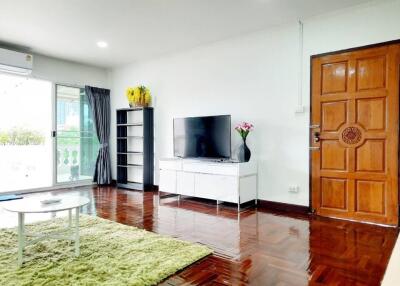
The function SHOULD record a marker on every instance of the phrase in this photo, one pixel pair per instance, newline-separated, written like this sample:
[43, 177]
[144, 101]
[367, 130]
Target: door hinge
[313, 126]
[54, 134]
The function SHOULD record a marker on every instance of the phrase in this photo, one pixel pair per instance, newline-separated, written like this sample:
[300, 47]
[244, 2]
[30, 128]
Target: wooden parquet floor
[256, 247]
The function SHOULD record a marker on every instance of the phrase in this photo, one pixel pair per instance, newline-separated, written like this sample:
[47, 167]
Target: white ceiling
[141, 29]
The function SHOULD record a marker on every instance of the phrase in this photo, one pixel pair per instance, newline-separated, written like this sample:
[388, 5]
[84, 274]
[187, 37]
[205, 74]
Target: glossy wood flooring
[257, 247]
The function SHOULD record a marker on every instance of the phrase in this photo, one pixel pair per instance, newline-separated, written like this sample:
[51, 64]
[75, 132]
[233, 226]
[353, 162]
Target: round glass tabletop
[35, 205]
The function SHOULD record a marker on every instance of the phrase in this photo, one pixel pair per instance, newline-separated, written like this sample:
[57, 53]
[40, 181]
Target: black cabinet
[135, 148]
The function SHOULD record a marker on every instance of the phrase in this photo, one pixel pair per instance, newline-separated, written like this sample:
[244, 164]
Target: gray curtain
[99, 101]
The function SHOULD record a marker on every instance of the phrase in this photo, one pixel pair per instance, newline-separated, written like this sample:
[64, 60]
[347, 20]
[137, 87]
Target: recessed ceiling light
[102, 44]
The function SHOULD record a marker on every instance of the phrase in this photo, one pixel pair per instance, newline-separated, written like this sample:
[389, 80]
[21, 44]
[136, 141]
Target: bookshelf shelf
[130, 124]
[130, 136]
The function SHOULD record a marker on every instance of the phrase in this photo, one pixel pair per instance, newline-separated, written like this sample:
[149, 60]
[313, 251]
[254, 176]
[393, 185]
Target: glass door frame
[85, 182]
[55, 185]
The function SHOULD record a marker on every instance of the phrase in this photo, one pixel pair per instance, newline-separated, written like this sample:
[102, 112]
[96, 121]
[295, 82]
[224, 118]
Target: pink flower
[244, 128]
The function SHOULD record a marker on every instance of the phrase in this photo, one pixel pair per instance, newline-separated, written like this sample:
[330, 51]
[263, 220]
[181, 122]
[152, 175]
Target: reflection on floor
[257, 247]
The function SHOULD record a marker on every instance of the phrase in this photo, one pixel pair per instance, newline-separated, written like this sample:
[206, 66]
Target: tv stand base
[220, 181]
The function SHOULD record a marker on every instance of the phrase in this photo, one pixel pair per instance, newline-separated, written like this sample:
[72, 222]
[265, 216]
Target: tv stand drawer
[185, 183]
[216, 187]
[167, 181]
[212, 168]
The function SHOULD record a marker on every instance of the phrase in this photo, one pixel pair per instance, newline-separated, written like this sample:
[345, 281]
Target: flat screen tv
[202, 137]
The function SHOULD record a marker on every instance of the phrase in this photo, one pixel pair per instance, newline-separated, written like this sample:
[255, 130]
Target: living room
[199, 142]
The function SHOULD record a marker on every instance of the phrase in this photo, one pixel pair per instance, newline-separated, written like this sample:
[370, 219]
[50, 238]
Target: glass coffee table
[34, 205]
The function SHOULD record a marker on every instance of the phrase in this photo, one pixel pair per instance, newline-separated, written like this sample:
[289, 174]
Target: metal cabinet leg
[77, 243]
[21, 238]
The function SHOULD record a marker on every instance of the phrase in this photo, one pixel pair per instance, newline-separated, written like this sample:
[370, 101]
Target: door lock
[316, 138]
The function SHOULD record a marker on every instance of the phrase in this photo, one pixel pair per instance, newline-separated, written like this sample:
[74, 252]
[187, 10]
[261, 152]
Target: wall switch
[294, 189]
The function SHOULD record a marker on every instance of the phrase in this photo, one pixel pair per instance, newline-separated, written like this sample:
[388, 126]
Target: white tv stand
[223, 181]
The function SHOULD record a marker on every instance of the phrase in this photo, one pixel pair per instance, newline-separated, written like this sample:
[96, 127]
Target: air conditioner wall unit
[15, 62]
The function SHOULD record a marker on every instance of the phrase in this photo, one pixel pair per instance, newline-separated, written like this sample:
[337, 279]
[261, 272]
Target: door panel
[370, 197]
[371, 72]
[371, 113]
[334, 155]
[370, 156]
[334, 193]
[333, 115]
[76, 142]
[355, 112]
[334, 77]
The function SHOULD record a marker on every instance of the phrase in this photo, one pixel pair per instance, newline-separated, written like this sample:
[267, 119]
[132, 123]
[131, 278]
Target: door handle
[313, 126]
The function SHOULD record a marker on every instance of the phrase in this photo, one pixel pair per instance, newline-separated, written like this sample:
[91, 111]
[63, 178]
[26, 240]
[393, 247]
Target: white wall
[66, 72]
[254, 78]
[248, 77]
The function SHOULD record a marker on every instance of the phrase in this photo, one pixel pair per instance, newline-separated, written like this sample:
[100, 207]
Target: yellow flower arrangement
[138, 96]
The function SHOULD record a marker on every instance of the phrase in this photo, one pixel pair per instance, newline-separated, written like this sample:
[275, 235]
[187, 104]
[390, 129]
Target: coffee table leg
[77, 252]
[21, 238]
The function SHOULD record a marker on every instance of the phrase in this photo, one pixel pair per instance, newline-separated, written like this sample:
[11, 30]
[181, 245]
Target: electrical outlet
[294, 189]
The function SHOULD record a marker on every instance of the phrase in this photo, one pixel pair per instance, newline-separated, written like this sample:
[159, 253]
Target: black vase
[244, 152]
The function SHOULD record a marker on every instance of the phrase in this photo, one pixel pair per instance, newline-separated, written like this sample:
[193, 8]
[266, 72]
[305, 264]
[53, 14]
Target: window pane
[26, 151]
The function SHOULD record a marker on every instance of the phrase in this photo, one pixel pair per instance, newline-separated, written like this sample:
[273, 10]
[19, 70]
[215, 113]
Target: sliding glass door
[26, 147]
[76, 142]
[29, 157]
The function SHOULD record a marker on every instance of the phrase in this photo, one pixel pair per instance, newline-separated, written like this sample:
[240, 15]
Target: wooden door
[354, 135]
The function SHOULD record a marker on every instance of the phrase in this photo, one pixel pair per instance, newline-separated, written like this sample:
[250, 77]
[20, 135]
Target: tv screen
[203, 137]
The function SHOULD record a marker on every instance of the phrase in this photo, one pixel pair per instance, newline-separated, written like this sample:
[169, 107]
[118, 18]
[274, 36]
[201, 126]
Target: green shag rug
[111, 254]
